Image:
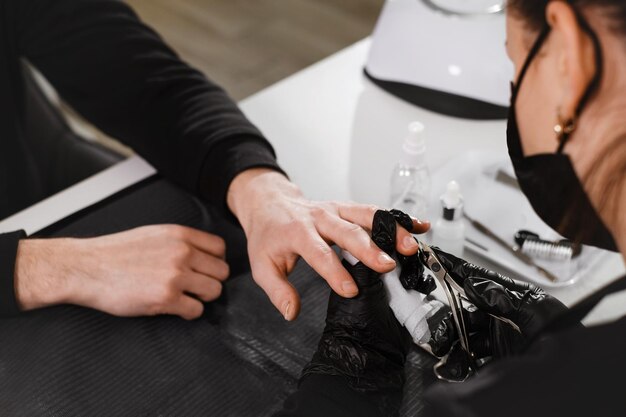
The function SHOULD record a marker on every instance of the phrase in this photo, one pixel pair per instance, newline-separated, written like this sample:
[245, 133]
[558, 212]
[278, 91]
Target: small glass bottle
[449, 230]
[410, 181]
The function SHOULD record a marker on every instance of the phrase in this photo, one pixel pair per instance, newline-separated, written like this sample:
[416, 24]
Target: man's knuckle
[192, 312]
[171, 273]
[295, 230]
[212, 292]
[321, 251]
[176, 232]
[219, 245]
[155, 309]
[217, 290]
[224, 270]
[354, 229]
[196, 312]
[167, 294]
[318, 212]
[160, 305]
[182, 252]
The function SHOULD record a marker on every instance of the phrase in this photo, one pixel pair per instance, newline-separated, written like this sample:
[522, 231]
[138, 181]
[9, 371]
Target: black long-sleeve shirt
[121, 76]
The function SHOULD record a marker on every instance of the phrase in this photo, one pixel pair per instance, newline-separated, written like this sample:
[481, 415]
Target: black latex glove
[412, 274]
[362, 341]
[529, 307]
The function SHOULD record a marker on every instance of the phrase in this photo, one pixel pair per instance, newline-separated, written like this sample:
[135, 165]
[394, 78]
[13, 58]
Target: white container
[410, 181]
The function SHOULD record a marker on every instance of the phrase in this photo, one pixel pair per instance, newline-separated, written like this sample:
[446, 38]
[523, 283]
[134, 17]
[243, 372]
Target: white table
[327, 123]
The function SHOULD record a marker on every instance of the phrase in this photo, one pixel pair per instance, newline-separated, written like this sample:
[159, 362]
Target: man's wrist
[41, 279]
[251, 185]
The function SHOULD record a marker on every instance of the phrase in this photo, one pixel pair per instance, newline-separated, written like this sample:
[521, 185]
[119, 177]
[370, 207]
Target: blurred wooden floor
[246, 45]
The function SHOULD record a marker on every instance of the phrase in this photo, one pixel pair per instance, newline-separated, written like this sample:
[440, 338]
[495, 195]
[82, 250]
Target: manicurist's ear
[576, 59]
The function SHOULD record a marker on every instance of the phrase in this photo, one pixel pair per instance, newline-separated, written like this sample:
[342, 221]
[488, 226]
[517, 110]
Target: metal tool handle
[517, 253]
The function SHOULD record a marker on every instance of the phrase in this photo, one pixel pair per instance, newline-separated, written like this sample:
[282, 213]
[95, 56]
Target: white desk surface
[329, 124]
[339, 136]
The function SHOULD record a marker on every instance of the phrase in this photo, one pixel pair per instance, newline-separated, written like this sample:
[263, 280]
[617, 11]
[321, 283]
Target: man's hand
[151, 270]
[281, 225]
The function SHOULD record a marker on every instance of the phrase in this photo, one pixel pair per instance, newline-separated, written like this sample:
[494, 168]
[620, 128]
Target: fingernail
[349, 288]
[287, 310]
[423, 225]
[386, 259]
[410, 242]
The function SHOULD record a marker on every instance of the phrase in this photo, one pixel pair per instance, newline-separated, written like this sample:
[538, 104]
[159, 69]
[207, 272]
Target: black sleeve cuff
[8, 256]
[226, 161]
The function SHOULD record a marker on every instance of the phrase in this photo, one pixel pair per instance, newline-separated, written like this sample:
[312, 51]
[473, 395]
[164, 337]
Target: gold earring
[564, 127]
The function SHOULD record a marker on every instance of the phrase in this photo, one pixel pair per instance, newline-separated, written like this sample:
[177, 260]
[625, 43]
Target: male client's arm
[121, 76]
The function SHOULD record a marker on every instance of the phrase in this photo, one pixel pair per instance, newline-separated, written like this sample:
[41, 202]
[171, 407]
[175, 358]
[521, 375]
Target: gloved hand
[407, 286]
[362, 341]
[527, 307]
[411, 269]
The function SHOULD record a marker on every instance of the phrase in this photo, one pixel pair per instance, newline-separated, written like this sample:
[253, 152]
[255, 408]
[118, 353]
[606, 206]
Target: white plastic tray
[504, 210]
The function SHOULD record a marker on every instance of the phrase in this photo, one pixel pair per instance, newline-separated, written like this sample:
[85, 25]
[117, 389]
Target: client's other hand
[161, 269]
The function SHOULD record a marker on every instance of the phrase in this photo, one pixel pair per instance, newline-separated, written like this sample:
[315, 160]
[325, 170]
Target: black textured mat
[240, 359]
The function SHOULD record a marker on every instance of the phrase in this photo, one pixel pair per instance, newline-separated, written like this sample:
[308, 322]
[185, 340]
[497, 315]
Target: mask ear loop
[565, 129]
[515, 148]
[529, 59]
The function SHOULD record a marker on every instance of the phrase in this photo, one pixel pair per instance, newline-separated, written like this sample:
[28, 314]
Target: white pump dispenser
[414, 146]
[410, 181]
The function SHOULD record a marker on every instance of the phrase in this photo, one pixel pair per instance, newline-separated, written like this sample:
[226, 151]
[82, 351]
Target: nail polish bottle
[449, 230]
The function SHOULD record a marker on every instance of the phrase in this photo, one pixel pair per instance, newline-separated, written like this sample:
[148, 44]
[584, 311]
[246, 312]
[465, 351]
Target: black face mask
[549, 181]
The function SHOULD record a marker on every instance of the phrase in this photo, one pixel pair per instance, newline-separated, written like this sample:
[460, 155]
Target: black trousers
[240, 359]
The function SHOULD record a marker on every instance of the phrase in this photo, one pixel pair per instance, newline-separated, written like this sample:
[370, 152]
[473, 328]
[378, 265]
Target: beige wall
[246, 45]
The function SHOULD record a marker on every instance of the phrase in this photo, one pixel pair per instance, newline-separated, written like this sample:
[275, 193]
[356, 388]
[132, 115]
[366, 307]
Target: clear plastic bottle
[449, 230]
[410, 181]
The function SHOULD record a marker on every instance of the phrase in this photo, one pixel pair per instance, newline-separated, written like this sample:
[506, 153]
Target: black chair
[60, 157]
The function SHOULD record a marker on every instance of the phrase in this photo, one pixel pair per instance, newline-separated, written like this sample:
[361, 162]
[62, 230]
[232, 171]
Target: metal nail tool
[455, 295]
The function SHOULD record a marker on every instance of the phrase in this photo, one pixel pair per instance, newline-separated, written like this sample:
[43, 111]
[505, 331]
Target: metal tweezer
[512, 250]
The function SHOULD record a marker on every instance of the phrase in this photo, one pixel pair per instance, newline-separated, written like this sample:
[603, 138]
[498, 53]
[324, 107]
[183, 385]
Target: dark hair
[533, 12]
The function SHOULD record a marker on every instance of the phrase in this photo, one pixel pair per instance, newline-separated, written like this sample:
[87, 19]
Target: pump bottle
[410, 181]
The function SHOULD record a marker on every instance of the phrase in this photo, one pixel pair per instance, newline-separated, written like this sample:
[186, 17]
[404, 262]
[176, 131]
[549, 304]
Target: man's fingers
[355, 240]
[278, 289]
[206, 242]
[420, 226]
[187, 307]
[204, 287]
[209, 265]
[360, 214]
[363, 215]
[316, 252]
[405, 242]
